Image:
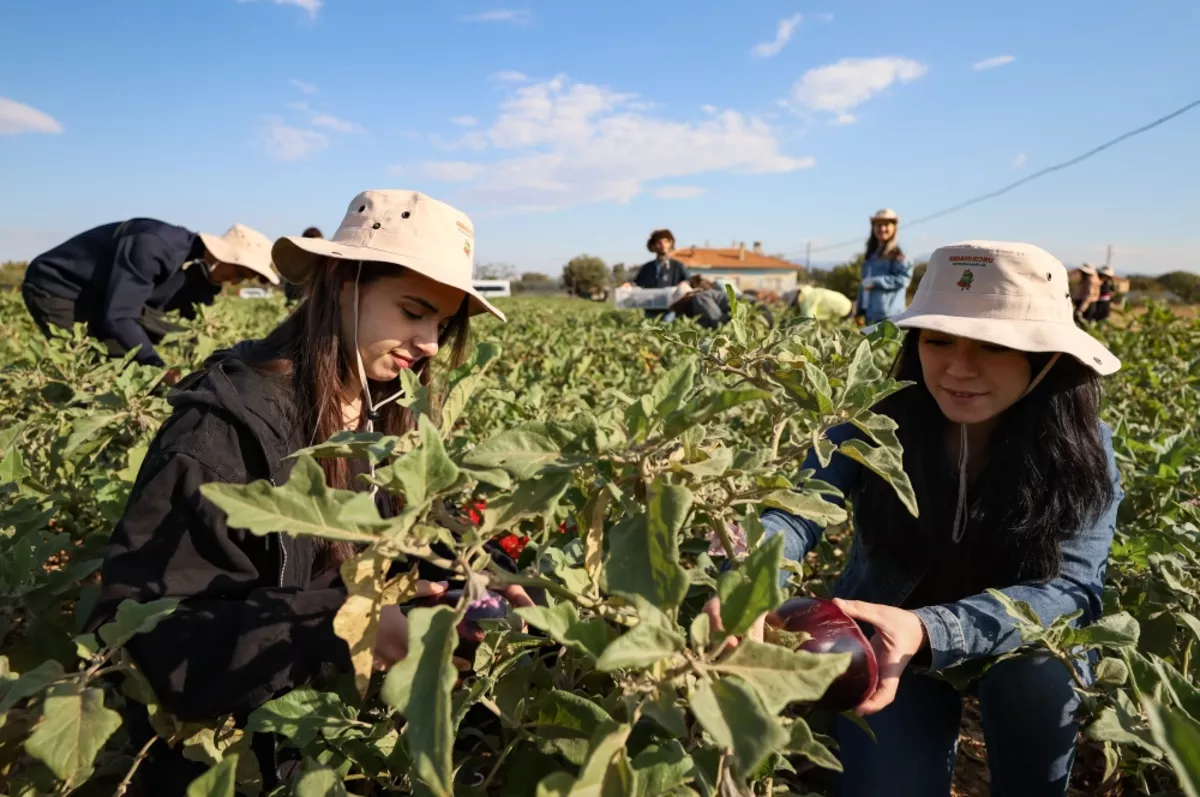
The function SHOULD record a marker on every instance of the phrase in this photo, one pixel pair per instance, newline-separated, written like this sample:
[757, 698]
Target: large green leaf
[375, 446]
[423, 473]
[643, 551]
[301, 715]
[320, 782]
[671, 389]
[14, 690]
[419, 687]
[886, 459]
[522, 452]
[304, 505]
[660, 768]
[562, 622]
[782, 676]
[639, 648]
[533, 498]
[463, 384]
[219, 781]
[1179, 737]
[135, 618]
[708, 405]
[74, 727]
[752, 589]
[733, 714]
[804, 743]
[806, 504]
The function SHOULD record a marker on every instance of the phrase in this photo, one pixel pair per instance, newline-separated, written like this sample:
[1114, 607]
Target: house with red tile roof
[747, 269]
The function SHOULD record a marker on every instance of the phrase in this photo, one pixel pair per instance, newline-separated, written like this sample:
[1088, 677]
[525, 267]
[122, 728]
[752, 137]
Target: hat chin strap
[960, 509]
[372, 407]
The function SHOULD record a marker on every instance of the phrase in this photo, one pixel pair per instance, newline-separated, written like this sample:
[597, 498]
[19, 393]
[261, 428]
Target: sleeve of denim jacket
[899, 274]
[978, 627]
[800, 534]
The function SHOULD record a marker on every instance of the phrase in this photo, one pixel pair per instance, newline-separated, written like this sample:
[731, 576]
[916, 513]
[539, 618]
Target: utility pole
[1108, 257]
[807, 256]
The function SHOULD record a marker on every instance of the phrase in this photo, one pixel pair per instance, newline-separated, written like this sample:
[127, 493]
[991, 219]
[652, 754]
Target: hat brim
[298, 259]
[228, 253]
[1027, 336]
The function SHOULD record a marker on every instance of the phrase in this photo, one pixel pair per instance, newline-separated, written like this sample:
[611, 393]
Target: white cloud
[464, 121]
[783, 34]
[992, 63]
[311, 6]
[837, 88]
[16, 117]
[286, 143]
[476, 141]
[452, 171]
[1019, 161]
[566, 143]
[334, 123]
[509, 76]
[515, 16]
[825, 17]
[709, 109]
[305, 88]
[678, 192]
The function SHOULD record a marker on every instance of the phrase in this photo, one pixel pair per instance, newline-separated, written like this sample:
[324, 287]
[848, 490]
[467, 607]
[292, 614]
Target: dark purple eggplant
[832, 631]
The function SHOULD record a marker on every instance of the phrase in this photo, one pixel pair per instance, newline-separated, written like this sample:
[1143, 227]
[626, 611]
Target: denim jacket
[976, 626]
[888, 280]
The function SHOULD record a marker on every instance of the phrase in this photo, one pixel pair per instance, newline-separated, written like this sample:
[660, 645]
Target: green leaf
[423, 473]
[666, 712]
[671, 389]
[218, 781]
[12, 468]
[1112, 631]
[134, 618]
[301, 715]
[1027, 619]
[1190, 622]
[862, 372]
[639, 648]
[463, 384]
[660, 768]
[822, 393]
[752, 589]
[419, 687]
[1184, 693]
[562, 622]
[304, 505]
[782, 676]
[74, 727]
[29, 684]
[607, 772]
[566, 722]
[734, 716]
[322, 782]
[643, 551]
[806, 504]
[701, 631]
[708, 405]
[1111, 673]
[886, 459]
[522, 451]
[1179, 737]
[804, 743]
[374, 446]
[533, 498]
[85, 428]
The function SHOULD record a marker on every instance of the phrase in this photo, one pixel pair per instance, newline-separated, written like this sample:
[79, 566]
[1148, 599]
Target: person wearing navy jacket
[122, 278]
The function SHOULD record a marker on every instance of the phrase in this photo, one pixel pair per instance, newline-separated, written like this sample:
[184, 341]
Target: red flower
[513, 544]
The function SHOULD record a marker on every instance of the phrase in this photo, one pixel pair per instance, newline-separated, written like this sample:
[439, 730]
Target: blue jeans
[1027, 708]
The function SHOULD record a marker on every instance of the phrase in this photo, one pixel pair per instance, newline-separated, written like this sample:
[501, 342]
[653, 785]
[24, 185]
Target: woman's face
[884, 230]
[400, 320]
[972, 382]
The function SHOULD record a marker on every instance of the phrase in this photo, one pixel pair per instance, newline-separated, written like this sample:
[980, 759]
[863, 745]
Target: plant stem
[137, 762]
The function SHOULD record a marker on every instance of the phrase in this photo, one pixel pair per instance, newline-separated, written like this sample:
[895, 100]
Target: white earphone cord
[370, 405]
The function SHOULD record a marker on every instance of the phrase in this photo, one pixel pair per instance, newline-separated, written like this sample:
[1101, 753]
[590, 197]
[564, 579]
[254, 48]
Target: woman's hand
[899, 634]
[713, 610]
[391, 639]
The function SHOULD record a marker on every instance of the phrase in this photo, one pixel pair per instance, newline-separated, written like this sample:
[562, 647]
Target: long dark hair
[874, 245]
[1046, 477]
[308, 346]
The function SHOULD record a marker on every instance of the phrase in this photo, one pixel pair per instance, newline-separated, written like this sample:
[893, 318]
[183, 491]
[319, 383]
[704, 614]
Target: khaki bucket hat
[405, 228]
[245, 247]
[1009, 294]
[887, 214]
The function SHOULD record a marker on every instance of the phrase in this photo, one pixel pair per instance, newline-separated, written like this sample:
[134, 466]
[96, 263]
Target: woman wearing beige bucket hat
[385, 294]
[1017, 490]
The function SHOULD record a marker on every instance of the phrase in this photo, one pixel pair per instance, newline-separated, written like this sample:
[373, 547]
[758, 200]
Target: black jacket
[114, 271]
[253, 621]
[648, 276]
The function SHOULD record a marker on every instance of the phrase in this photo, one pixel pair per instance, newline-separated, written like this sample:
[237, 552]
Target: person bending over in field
[886, 273]
[386, 294]
[122, 278]
[1017, 489]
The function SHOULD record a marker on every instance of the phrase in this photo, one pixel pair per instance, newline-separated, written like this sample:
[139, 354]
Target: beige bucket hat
[1009, 294]
[405, 228]
[245, 247]
[1107, 271]
[887, 214]
[1087, 268]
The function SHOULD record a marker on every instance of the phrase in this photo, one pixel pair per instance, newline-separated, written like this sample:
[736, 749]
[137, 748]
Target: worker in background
[291, 291]
[121, 279]
[708, 303]
[886, 273]
[1087, 292]
[663, 271]
[822, 303]
[1103, 306]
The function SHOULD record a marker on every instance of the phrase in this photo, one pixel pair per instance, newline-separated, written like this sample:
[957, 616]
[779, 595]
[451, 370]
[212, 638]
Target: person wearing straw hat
[386, 294]
[122, 278]
[886, 273]
[1017, 490]
[1087, 292]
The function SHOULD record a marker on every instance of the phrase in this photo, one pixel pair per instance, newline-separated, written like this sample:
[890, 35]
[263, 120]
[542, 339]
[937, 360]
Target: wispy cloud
[825, 17]
[562, 143]
[305, 88]
[287, 143]
[1019, 161]
[992, 63]
[311, 6]
[513, 16]
[334, 123]
[678, 192]
[16, 117]
[464, 121]
[783, 34]
[838, 88]
[509, 76]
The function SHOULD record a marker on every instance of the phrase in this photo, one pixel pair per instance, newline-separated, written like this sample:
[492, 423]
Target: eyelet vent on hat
[1049, 277]
[376, 226]
[361, 208]
[405, 215]
[1097, 360]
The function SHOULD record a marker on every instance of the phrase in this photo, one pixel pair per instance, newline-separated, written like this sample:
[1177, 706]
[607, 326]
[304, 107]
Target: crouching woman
[1017, 489]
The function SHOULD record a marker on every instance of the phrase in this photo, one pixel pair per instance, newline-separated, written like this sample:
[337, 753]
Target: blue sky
[567, 127]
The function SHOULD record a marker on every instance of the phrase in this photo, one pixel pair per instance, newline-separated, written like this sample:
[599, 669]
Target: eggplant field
[623, 466]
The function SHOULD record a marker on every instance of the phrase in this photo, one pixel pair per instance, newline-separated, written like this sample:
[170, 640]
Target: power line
[1024, 180]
